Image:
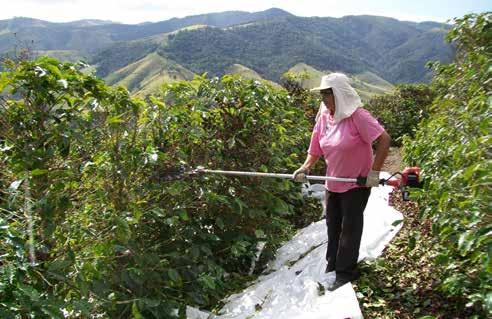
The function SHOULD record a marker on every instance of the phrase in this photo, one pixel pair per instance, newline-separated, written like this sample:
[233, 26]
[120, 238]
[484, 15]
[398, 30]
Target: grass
[149, 74]
[249, 74]
[313, 76]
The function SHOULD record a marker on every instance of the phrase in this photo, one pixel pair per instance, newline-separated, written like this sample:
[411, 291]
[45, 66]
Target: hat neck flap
[346, 98]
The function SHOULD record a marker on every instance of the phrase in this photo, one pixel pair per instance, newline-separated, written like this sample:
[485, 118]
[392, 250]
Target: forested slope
[269, 42]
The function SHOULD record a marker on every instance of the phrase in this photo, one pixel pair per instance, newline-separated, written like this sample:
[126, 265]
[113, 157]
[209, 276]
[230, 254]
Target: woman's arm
[300, 174]
[384, 141]
[310, 161]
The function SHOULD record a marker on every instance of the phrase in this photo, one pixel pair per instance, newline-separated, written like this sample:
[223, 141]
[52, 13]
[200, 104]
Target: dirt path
[393, 162]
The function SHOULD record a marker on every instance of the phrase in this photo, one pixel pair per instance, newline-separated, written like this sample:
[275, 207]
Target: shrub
[453, 147]
[94, 225]
[401, 112]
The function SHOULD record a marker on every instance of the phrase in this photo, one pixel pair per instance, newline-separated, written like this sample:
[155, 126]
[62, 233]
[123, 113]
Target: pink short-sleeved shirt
[346, 146]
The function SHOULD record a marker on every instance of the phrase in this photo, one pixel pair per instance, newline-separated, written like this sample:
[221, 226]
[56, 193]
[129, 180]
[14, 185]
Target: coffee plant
[94, 222]
[402, 111]
[454, 149]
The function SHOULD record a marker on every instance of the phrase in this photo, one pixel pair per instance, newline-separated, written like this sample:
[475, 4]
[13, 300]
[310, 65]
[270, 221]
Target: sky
[135, 11]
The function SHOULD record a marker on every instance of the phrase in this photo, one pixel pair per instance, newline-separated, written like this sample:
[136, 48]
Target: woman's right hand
[300, 174]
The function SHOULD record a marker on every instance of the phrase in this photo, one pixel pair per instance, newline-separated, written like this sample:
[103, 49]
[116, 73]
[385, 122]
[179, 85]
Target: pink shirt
[346, 146]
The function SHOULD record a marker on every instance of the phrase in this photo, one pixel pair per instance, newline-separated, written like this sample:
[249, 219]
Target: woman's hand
[372, 179]
[300, 174]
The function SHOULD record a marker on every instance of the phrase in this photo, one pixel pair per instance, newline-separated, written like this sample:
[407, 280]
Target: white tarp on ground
[291, 289]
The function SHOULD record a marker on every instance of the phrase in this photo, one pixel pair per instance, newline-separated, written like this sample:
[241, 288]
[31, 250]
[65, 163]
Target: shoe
[337, 284]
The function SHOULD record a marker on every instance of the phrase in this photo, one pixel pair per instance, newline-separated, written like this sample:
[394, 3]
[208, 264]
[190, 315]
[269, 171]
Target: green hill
[426, 46]
[356, 44]
[92, 36]
[310, 77]
[374, 80]
[269, 42]
[244, 72]
[63, 55]
[123, 53]
[248, 73]
[367, 84]
[148, 74]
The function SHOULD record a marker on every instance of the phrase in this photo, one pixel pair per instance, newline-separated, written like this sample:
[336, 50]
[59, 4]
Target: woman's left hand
[372, 179]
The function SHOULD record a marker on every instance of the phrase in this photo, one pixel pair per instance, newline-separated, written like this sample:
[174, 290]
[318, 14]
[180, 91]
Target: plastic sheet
[292, 287]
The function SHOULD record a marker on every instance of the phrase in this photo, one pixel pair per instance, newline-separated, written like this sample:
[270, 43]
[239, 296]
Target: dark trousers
[345, 220]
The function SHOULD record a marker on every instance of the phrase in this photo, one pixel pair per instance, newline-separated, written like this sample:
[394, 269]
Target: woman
[343, 135]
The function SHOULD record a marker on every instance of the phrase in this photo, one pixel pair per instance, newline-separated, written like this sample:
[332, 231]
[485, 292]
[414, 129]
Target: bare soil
[393, 162]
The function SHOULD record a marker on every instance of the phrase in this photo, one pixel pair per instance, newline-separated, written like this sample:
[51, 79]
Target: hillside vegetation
[269, 42]
[95, 223]
[62, 55]
[454, 147]
[343, 44]
[308, 76]
[90, 36]
[149, 74]
[439, 265]
[244, 72]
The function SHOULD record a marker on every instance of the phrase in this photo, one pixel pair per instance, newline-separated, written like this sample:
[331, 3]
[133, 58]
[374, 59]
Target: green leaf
[259, 233]
[52, 312]
[53, 70]
[174, 275]
[240, 204]
[465, 242]
[488, 301]
[158, 212]
[135, 312]
[411, 242]
[4, 81]
[176, 188]
[58, 265]
[123, 232]
[115, 119]
[397, 222]
[195, 251]
[219, 222]
[183, 215]
[151, 303]
[231, 143]
[38, 172]
[30, 292]
[83, 306]
[208, 281]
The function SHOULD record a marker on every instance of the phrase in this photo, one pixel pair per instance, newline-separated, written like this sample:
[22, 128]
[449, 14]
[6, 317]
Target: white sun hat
[326, 82]
[346, 98]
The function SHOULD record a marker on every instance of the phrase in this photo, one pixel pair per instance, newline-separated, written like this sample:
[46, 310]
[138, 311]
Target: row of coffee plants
[454, 149]
[401, 112]
[94, 221]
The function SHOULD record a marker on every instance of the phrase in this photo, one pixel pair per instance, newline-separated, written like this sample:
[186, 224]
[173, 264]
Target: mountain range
[266, 44]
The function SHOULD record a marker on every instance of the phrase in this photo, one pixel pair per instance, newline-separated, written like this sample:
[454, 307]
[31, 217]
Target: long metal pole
[287, 176]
